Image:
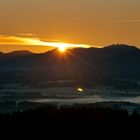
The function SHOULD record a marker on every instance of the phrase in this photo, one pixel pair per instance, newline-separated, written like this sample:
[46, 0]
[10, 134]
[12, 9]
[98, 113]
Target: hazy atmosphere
[70, 67]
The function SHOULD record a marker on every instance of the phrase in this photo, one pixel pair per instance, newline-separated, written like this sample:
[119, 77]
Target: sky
[91, 22]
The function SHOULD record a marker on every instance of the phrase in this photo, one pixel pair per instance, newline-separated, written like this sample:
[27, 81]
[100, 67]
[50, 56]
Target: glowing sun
[62, 47]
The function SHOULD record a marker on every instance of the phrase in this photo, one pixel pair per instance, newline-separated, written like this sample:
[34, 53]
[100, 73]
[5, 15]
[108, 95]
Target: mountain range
[112, 65]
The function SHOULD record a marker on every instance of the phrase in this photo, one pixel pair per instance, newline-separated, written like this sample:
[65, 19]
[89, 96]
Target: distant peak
[121, 46]
[1, 53]
[22, 52]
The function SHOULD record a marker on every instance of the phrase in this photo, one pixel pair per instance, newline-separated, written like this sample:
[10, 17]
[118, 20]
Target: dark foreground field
[68, 120]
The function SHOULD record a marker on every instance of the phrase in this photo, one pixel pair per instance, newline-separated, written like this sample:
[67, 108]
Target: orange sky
[93, 22]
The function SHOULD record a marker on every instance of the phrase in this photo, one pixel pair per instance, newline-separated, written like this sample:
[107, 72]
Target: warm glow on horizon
[60, 45]
[24, 41]
[95, 22]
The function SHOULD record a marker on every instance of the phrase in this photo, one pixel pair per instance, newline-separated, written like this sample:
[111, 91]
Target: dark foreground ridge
[69, 119]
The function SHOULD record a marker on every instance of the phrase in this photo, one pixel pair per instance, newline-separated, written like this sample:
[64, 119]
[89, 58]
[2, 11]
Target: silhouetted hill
[119, 49]
[86, 66]
[19, 53]
[109, 51]
[14, 55]
[1, 52]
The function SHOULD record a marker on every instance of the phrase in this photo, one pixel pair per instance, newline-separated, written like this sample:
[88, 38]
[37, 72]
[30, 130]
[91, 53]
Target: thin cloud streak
[26, 34]
[122, 21]
[16, 40]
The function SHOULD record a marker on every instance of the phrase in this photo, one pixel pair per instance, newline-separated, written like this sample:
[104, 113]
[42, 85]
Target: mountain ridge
[112, 47]
[85, 66]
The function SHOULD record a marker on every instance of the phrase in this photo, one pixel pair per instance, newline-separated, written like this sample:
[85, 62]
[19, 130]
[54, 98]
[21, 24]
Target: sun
[62, 49]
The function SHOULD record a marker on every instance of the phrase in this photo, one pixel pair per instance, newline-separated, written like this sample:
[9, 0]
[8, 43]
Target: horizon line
[27, 50]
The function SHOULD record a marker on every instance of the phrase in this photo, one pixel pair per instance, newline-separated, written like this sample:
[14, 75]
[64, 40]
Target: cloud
[26, 34]
[129, 21]
[11, 40]
[16, 40]
[123, 21]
